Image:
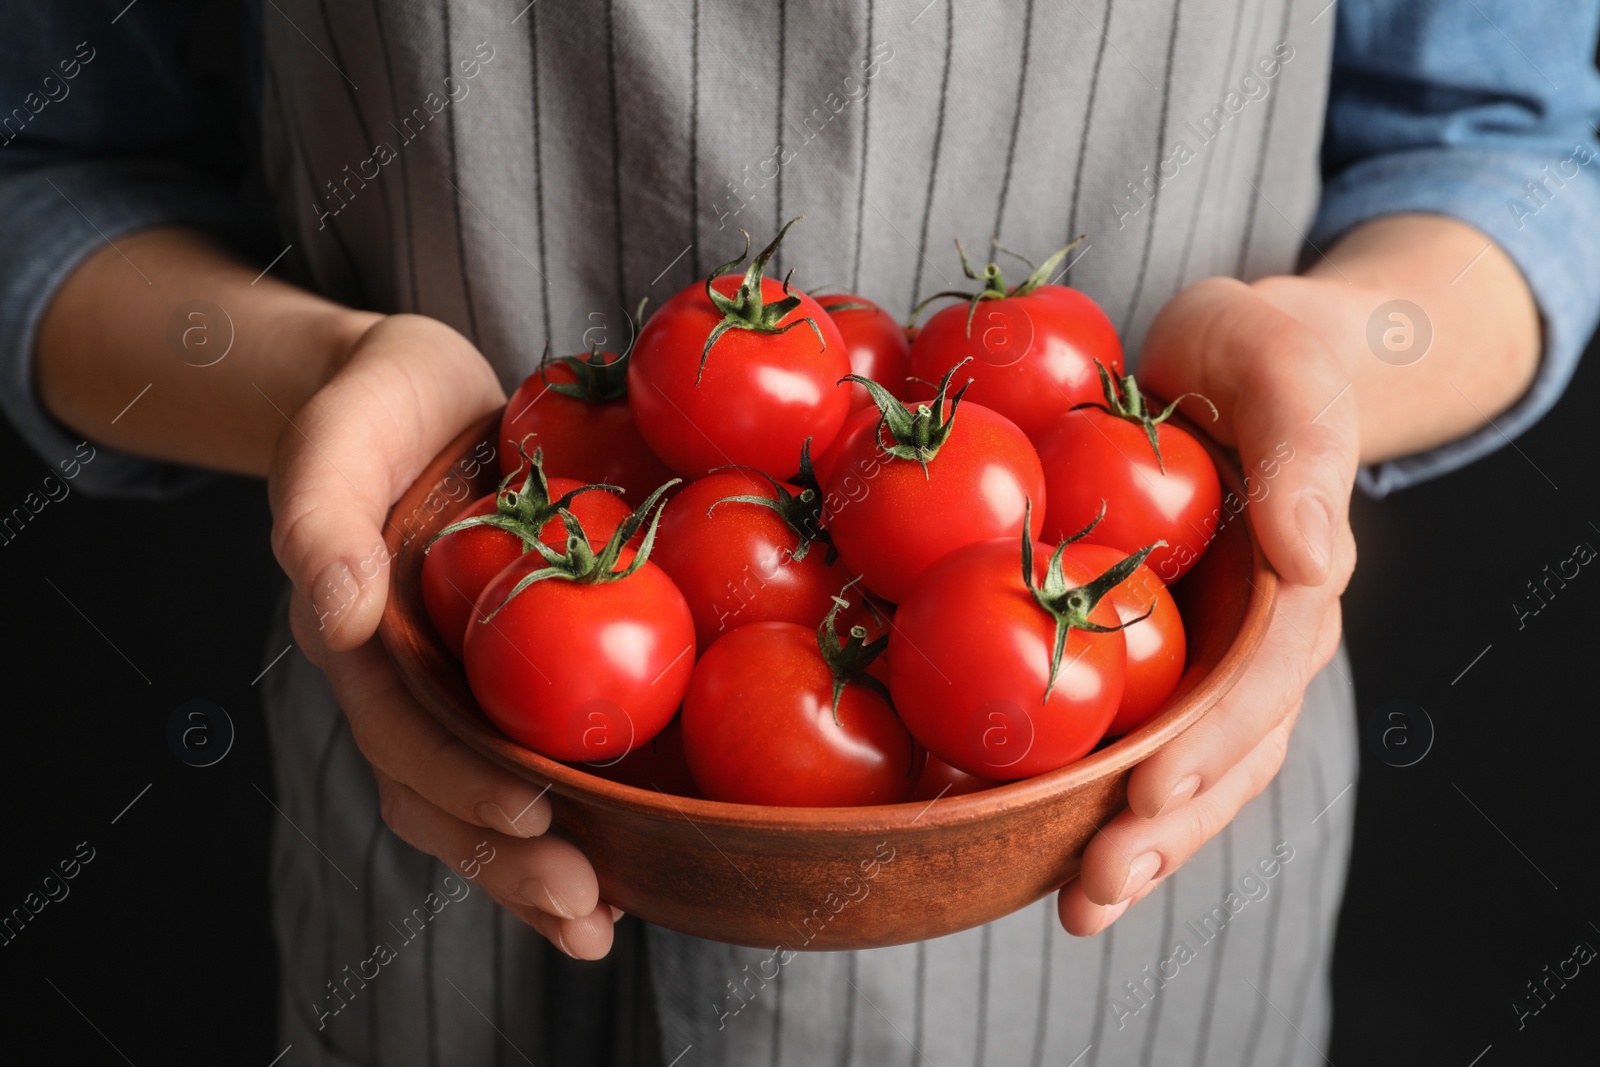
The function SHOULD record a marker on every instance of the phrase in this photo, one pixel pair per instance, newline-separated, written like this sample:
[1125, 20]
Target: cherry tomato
[877, 345]
[761, 726]
[970, 663]
[939, 780]
[890, 518]
[659, 763]
[458, 565]
[742, 378]
[1093, 456]
[1034, 346]
[735, 562]
[1156, 644]
[591, 435]
[588, 662]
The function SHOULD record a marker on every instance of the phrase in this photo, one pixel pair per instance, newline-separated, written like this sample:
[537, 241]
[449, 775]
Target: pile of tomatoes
[870, 563]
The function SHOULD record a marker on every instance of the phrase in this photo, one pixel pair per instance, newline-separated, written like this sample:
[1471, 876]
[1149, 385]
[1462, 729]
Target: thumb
[1286, 406]
[410, 385]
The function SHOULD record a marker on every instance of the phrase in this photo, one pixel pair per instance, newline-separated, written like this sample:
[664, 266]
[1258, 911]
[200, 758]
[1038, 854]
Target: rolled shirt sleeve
[1482, 110]
[106, 136]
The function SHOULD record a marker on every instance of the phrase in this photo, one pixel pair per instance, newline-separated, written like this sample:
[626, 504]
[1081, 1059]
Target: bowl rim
[473, 728]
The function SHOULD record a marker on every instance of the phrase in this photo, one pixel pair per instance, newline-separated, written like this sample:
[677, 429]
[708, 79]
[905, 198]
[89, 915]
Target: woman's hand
[341, 409]
[1276, 384]
[406, 388]
[1290, 367]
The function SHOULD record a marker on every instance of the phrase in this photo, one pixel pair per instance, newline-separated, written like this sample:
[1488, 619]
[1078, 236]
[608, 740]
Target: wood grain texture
[799, 877]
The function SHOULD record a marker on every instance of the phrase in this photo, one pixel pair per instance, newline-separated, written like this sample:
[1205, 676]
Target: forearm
[1485, 342]
[121, 322]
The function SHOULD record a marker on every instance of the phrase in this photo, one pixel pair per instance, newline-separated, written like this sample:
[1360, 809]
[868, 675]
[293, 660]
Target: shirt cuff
[51, 219]
[1549, 234]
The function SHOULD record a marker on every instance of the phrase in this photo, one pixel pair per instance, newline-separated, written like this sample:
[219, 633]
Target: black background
[164, 942]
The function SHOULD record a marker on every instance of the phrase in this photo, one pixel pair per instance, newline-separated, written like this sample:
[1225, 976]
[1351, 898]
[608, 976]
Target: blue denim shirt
[1479, 109]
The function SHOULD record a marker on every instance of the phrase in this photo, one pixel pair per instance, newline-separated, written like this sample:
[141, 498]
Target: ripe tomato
[577, 411]
[465, 555]
[898, 501]
[659, 763]
[774, 715]
[738, 371]
[1035, 345]
[1156, 643]
[582, 656]
[1155, 480]
[737, 562]
[992, 681]
[876, 343]
[938, 780]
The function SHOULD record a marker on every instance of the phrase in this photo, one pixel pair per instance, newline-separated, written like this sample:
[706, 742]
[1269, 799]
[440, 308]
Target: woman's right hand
[405, 389]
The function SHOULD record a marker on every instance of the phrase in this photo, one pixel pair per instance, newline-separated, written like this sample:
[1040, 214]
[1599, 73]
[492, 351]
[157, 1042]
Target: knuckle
[1197, 828]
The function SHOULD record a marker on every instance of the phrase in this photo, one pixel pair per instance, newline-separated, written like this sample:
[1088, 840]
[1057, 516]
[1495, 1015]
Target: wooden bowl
[826, 878]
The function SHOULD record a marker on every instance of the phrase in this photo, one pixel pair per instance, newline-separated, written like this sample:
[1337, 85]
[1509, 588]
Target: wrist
[1434, 326]
[330, 334]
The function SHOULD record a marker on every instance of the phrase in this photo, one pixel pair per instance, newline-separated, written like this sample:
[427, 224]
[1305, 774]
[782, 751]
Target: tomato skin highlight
[1090, 456]
[1034, 354]
[877, 346]
[759, 396]
[969, 660]
[758, 727]
[593, 443]
[733, 566]
[458, 566]
[890, 521]
[576, 671]
[1156, 645]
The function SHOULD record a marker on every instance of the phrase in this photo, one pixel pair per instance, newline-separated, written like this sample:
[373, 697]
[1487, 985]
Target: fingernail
[616, 913]
[1316, 526]
[1140, 871]
[332, 594]
[561, 943]
[535, 893]
[494, 815]
[538, 893]
[1186, 788]
[1112, 914]
[491, 814]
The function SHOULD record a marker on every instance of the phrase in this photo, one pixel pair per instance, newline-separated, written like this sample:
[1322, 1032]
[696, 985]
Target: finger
[588, 938]
[1287, 408]
[404, 742]
[1131, 855]
[1079, 917]
[1301, 640]
[545, 873]
[410, 386]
